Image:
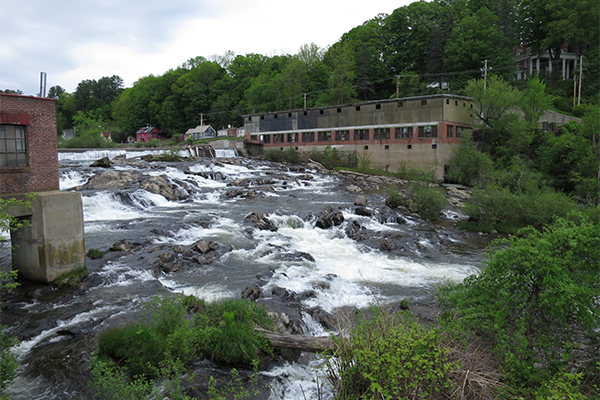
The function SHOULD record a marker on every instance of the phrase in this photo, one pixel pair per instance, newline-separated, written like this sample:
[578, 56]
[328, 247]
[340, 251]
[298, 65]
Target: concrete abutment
[52, 243]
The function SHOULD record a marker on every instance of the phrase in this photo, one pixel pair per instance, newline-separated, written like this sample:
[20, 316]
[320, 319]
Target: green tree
[536, 299]
[342, 68]
[407, 33]
[468, 166]
[55, 91]
[476, 39]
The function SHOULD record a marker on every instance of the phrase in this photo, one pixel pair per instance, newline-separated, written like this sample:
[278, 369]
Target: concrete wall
[41, 173]
[53, 243]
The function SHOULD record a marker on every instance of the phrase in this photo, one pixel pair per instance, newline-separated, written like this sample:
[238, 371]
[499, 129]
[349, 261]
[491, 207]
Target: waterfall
[225, 153]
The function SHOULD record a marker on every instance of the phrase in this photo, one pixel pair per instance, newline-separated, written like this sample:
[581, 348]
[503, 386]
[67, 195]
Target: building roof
[433, 96]
[198, 129]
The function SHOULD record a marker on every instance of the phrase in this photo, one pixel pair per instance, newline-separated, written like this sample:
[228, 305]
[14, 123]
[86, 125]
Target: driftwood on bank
[311, 344]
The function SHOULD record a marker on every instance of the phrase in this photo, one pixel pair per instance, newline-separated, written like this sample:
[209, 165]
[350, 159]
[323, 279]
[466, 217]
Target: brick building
[28, 141]
[51, 243]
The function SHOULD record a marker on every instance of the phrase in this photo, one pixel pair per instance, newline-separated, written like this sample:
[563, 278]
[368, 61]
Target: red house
[148, 133]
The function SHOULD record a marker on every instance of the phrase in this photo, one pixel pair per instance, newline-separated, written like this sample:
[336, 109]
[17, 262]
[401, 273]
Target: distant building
[200, 132]
[227, 132]
[412, 131]
[529, 64]
[148, 133]
[240, 132]
[106, 136]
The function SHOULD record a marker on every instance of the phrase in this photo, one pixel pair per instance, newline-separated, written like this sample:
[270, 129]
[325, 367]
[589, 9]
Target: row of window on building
[400, 104]
[345, 135]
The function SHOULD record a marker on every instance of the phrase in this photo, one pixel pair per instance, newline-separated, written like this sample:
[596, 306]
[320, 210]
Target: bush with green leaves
[223, 332]
[390, 356]
[497, 207]
[468, 166]
[274, 155]
[536, 299]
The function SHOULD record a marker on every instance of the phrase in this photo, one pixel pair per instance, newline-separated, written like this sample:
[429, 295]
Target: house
[106, 136]
[240, 132]
[52, 243]
[148, 133]
[227, 132]
[412, 131]
[527, 63]
[200, 132]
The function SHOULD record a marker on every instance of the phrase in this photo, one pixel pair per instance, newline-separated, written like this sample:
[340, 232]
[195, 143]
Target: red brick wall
[42, 172]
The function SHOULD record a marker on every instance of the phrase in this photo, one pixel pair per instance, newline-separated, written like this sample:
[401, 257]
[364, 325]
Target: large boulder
[260, 221]
[104, 162]
[112, 180]
[159, 185]
[329, 218]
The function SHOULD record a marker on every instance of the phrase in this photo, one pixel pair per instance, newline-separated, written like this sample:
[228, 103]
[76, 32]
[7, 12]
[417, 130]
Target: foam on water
[346, 266]
[298, 381]
[209, 293]
[106, 206]
[25, 346]
[225, 230]
[119, 274]
[147, 200]
[71, 179]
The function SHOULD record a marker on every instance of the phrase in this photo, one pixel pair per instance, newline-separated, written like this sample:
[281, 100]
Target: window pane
[3, 160]
[11, 160]
[11, 146]
[21, 160]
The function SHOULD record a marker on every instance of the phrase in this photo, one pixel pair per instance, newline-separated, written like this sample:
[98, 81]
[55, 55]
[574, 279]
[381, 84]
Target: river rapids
[57, 328]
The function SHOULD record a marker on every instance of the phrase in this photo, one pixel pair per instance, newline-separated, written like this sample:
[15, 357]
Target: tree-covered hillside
[421, 48]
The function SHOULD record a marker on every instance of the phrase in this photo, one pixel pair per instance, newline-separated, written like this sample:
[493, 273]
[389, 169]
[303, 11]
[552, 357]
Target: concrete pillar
[53, 243]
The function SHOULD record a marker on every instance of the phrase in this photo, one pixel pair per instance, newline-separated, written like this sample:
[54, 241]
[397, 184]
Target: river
[58, 327]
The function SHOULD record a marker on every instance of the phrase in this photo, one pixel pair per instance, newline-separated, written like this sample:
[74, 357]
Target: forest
[422, 48]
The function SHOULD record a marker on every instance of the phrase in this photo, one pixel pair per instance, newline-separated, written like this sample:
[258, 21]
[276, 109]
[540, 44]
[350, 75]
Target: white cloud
[73, 40]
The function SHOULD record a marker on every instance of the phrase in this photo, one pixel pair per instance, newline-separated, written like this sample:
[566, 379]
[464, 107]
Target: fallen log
[311, 344]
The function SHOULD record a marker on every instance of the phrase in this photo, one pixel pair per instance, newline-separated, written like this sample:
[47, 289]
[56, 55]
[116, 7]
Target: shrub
[536, 298]
[390, 357]
[331, 157]
[291, 155]
[394, 199]
[223, 332]
[274, 155]
[468, 166]
[428, 201]
[95, 253]
[498, 208]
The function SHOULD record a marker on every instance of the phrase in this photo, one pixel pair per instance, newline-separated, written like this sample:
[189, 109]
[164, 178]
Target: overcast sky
[73, 40]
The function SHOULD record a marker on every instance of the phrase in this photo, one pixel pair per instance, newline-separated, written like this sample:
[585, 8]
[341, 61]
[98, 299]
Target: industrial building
[412, 131]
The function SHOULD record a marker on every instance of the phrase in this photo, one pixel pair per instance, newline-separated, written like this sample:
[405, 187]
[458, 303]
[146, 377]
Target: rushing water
[58, 328]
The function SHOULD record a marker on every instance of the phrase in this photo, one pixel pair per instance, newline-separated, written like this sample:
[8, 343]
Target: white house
[200, 132]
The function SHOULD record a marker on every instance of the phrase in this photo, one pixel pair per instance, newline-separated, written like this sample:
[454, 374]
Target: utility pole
[485, 76]
[397, 86]
[304, 100]
[201, 119]
[580, 74]
[574, 90]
